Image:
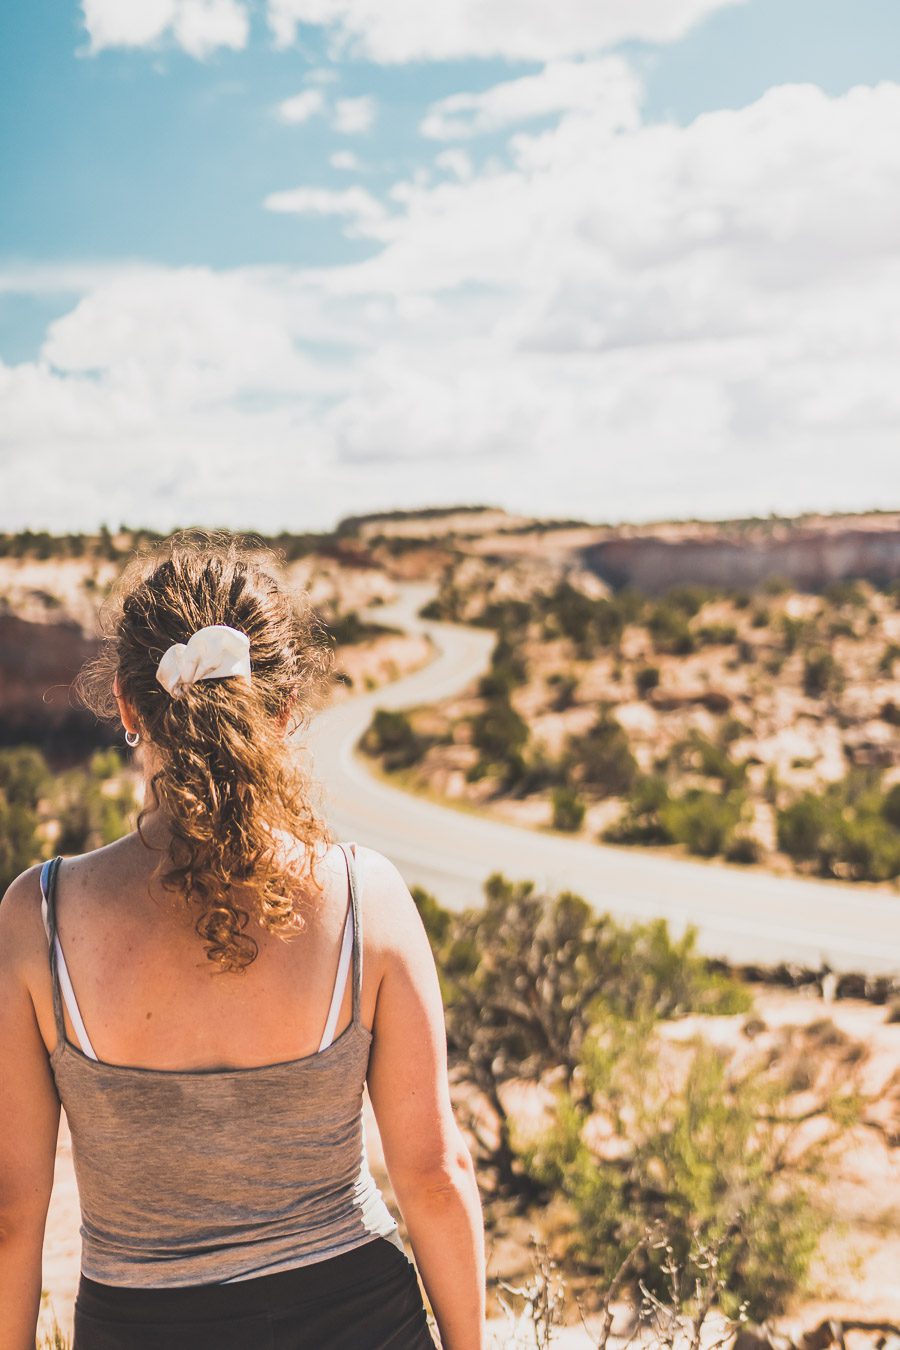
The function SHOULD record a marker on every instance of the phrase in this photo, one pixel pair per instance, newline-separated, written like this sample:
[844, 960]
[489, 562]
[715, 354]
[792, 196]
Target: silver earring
[132, 737]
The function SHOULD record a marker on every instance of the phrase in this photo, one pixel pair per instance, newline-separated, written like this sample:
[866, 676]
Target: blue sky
[192, 284]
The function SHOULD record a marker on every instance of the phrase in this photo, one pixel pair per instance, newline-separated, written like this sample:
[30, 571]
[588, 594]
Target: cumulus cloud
[661, 319]
[353, 115]
[200, 27]
[455, 161]
[606, 87]
[346, 159]
[354, 202]
[301, 107]
[392, 31]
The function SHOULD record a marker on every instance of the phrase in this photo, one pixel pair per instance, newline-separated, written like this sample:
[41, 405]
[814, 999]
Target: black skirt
[365, 1299]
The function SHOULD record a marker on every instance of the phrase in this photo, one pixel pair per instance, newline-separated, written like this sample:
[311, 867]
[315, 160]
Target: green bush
[668, 627]
[717, 634]
[821, 674]
[20, 844]
[499, 732]
[848, 830]
[568, 809]
[802, 825]
[645, 679]
[703, 821]
[89, 817]
[711, 759]
[604, 756]
[693, 1155]
[392, 735]
[743, 849]
[641, 822]
[24, 776]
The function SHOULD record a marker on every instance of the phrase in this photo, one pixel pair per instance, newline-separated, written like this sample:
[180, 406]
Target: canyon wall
[38, 662]
[809, 558]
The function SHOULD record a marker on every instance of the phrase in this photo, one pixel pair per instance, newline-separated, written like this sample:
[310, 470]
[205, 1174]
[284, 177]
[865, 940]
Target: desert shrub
[890, 654]
[499, 732]
[24, 776]
[711, 759]
[525, 977]
[701, 820]
[847, 830]
[391, 735]
[743, 848]
[690, 598]
[88, 816]
[568, 809]
[564, 686]
[587, 622]
[669, 629]
[604, 757]
[435, 918]
[105, 764]
[24, 782]
[347, 629]
[20, 844]
[717, 634]
[645, 679]
[692, 1150]
[732, 729]
[821, 674]
[641, 823]
[846, 593]
[890, 807]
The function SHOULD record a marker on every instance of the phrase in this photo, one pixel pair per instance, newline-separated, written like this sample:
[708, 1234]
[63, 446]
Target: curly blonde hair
[229, 780]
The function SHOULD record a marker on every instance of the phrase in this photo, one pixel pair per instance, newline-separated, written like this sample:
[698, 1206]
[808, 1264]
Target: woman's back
[271, 1171]
[149, 996]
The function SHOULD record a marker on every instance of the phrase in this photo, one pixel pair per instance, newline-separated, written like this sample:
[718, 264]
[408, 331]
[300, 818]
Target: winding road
[742, 916]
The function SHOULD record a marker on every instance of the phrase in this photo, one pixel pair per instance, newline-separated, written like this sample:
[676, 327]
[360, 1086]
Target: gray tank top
[200, 1176]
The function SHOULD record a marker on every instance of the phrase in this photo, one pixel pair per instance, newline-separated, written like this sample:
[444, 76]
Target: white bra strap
[65, 982]
[71, 1003]
[340, 981]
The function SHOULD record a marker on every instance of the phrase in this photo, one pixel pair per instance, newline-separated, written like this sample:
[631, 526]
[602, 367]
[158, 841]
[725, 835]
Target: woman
[207, 996]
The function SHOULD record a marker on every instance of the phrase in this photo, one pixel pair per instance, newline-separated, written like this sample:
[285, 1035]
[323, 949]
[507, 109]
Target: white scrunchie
[211, 653]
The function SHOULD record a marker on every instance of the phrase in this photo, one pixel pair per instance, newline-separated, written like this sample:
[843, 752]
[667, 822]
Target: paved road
[746, 916]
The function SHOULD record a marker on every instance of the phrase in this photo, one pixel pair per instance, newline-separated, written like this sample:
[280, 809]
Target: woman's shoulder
[23, 938]
[390, 915]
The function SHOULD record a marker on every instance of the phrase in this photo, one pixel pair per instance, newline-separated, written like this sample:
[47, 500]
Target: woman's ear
[129, 721]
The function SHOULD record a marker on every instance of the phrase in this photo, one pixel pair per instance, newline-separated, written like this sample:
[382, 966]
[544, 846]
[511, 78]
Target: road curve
[743, 916]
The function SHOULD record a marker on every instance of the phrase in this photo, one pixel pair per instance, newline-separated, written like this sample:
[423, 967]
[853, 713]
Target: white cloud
[605, 87]
[354, 202]
[200, 27]
[663, 320]
[392, 31]
[353, 115]
[455, 161]
[300, 107]
[346, 159]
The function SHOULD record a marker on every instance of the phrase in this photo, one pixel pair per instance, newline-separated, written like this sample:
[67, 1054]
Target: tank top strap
[48, 911]
[356, 973]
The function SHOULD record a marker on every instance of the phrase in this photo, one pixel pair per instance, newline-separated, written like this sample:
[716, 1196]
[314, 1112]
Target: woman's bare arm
[427, 1159]
[29, 1116]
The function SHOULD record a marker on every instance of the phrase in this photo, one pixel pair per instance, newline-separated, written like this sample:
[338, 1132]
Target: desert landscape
[635, 1083]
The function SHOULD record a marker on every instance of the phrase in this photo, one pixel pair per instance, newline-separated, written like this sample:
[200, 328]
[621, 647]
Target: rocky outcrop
[810, 558]
[38, 662]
